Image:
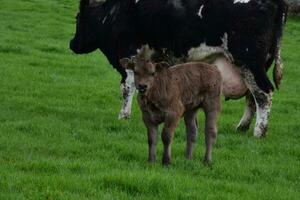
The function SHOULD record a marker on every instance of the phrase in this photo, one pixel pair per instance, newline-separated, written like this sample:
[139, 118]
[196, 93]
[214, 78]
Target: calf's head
[144, 70]
[89, 26]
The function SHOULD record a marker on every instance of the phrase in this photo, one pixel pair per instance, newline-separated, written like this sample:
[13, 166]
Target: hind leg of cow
[249, 112]
[127, 90]
[190, 119]
[263, 100]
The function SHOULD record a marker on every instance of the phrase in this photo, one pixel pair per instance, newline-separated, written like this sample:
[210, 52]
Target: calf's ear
[126, 63]
[161, 66]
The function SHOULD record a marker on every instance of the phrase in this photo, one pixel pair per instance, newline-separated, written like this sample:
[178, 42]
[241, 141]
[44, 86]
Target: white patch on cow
[203, 51]
[225, 47]
[225, 41]
[247, 49]
[283, 18]
[200, 11]
[136, 1]
[262, 108]
[128, 90]
[241, 1]
[104, 20]
[262, 118]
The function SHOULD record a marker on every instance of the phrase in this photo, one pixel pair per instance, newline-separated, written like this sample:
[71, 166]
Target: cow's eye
[152, 74]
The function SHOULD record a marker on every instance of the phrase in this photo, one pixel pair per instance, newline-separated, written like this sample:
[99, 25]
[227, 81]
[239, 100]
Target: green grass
[60, 137]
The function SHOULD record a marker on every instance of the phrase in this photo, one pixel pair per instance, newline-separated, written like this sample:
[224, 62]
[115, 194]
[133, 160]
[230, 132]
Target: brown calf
[167, 94]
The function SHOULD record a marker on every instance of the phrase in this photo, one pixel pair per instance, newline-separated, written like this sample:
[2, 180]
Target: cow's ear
[161, 66]
[126, 63]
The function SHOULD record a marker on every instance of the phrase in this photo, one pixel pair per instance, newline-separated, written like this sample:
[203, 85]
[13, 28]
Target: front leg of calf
[263, 100]
[190, 119]
[249, 112]
[152, 140]
[167, 136]
[127, 90]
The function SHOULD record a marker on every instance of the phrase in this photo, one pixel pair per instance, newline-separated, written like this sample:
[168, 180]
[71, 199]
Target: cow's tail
[280, 22]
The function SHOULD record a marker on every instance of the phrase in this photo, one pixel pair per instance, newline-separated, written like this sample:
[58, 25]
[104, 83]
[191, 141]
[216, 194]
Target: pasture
[60, 137]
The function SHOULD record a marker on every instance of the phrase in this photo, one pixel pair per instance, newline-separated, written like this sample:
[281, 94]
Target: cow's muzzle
[74, 46]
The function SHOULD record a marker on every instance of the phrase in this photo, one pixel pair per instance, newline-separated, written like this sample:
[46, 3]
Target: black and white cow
[245, 32]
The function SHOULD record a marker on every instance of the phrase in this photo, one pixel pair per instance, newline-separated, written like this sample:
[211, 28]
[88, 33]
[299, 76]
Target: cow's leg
[190, 119]
[127, 89]
[249, 112]
[262, 97]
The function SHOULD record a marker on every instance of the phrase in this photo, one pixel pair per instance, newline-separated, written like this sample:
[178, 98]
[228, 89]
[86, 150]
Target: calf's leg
[167, 136]
[190, 119]
[211, 107]
[211, 118]
[152, 140]
[249, 112]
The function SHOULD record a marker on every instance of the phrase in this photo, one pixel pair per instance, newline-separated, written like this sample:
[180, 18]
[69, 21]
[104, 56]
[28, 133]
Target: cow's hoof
[124, 115]
[242, 128]
[259, 132]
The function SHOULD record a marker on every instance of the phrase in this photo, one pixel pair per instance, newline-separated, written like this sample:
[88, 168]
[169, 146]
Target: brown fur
[175, 92]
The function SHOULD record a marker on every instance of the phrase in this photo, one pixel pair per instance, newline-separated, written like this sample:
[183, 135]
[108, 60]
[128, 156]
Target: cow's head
[144, 69]
[88, 26]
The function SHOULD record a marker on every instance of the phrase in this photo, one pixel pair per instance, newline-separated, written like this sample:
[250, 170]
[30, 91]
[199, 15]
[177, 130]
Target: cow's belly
[233, 85]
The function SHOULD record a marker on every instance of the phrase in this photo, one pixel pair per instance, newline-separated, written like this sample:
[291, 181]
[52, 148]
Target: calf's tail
[280, 22]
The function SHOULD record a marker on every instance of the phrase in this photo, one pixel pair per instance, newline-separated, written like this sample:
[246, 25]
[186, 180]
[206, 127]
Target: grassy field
[60, 137]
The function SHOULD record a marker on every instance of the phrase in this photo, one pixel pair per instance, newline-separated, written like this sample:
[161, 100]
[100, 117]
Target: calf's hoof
[151, 160]
[188, 156]
[207, 162]
[166, 162]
